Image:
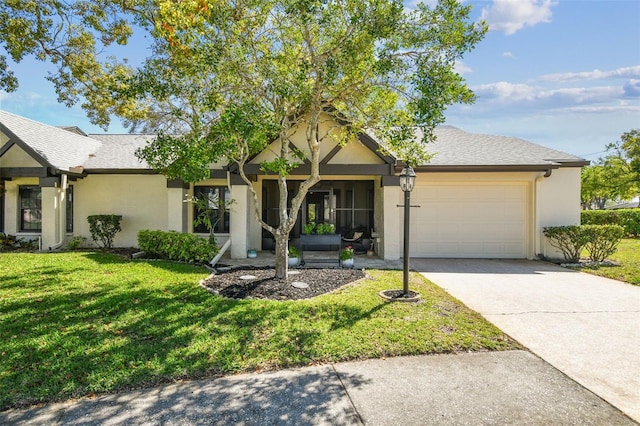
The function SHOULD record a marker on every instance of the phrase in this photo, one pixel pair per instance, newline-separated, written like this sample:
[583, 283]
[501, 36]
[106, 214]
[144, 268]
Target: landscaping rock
[266, 286]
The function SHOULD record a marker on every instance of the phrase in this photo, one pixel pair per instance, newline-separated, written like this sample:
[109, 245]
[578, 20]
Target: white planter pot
[293, 261]
[347, 263]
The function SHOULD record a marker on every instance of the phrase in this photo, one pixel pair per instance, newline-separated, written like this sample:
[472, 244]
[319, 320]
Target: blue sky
[563, 73]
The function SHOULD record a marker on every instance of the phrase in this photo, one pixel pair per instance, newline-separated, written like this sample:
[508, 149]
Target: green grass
[628, 256]
[82, 323]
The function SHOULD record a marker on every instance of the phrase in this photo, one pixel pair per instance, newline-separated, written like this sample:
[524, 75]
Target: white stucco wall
[140, 199]
[558, 204]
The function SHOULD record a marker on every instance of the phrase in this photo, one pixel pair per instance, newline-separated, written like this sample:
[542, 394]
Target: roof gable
[15, 156]
[50, 146]
[362, 150]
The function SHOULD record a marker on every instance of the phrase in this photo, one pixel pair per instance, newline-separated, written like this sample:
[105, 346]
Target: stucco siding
[140, 199]
[17, 157]
[558, 203]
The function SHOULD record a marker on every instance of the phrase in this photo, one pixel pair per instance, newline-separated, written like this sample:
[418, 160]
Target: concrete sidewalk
[586, 326]
[497, 388]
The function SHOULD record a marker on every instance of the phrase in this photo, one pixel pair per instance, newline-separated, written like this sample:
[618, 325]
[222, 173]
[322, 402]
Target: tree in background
[228, 79]
[614, 177]
[626, 152]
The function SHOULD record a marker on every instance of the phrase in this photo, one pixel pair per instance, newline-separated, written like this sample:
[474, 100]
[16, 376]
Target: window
[69, 207]
[214, 195]
[30, 199]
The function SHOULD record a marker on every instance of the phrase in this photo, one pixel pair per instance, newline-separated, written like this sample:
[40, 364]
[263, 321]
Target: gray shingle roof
[57, 147]
[66, 149]
[455, 147]
[118, 152]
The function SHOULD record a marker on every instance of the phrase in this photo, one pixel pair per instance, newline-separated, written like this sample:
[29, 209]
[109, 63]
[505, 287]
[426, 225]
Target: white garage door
[477, 220]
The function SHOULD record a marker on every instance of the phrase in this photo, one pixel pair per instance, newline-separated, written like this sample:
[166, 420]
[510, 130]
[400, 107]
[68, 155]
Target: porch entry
[349, 205]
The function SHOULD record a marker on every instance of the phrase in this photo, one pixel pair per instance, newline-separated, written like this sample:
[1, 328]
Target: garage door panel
[470, 220]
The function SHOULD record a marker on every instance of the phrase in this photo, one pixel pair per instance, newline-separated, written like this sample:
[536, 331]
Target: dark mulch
[266, 286]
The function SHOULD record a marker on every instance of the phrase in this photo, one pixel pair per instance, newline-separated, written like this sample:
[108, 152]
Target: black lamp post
[407, 182]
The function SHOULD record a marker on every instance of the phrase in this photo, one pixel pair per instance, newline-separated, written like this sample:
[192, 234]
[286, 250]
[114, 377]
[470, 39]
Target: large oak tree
[227, 78]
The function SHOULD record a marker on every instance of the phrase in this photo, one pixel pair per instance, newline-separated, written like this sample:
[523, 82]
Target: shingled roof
[455, 147]
[68, 149]
[50, 146]
[118, 152]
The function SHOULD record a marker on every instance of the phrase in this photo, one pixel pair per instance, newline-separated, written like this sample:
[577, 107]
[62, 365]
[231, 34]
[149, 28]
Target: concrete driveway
[586, 326]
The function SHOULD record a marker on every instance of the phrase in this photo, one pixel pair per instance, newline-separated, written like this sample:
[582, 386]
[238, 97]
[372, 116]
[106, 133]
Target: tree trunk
[282, 255]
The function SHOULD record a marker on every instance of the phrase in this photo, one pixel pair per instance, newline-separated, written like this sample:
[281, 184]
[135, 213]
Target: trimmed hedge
[629, 219]
[568, 239]
[174, 245]
[600, 241]
[104, 227]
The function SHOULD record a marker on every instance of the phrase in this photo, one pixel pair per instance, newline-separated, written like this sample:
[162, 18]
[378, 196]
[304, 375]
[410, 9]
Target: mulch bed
[237, 284]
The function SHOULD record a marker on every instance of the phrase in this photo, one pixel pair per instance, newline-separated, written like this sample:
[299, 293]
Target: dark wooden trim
[390, 181]
[49, 182]
[235, 179]
[293, 148]
[486, 169]
[121, 172]
[217, 174]
[336, 149]
[553, 164]
[374, 146]
[23, 172]
[6, 147]
[330, 169]
[177, 184]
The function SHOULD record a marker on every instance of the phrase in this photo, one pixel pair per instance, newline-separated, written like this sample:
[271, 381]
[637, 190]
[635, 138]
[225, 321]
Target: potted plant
[308, 228]
[346, 257]
[325, 229]
[294, 256]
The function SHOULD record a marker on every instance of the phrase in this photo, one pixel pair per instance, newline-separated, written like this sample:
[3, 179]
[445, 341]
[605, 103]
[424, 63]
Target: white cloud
[527, 97]
[599, 109]
[461, 68]
[505, 91]
[632, 89]
[508, 55]
[509, 16]
[625, 72]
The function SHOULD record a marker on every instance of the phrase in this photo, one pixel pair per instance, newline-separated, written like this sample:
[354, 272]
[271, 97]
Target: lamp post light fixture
[407, 182]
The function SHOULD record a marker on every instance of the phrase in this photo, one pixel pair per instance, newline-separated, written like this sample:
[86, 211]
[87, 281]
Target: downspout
[62, 225]
[537, 231]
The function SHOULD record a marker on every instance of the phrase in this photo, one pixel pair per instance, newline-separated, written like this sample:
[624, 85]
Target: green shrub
[76, 242]
[13, 243]
[325, 229]
[308, 228]
[294, 252]
[568, 239]
[104, 227]
[174, 245]
[629, 219]
[602, 240]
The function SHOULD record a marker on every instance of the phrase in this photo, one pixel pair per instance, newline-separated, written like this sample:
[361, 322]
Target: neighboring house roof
[51, 146]
[631, 205]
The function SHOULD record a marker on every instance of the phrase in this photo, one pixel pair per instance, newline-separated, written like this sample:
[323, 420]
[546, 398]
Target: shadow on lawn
[105, 258]
[85, 341]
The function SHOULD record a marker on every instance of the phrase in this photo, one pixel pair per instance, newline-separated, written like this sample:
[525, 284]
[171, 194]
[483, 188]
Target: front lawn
[84, 323]
[628, 257]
